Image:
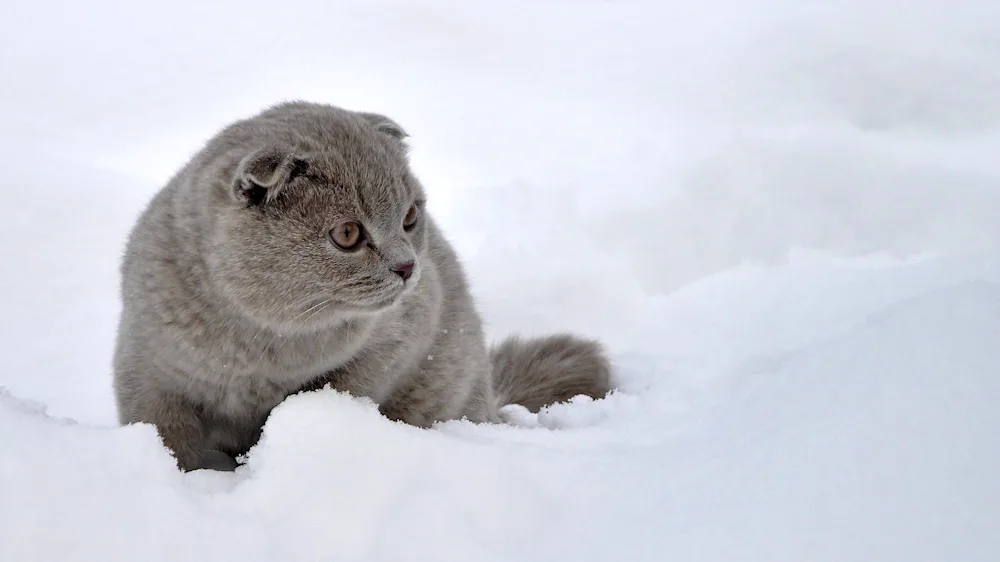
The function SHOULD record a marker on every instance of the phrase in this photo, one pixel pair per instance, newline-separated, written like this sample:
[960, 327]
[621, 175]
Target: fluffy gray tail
[540, 371]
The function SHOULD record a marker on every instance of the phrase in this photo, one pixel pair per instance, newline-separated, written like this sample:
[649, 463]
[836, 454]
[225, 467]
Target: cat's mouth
[399, 290]
[392, 296]
[387, 298]
[376, 300]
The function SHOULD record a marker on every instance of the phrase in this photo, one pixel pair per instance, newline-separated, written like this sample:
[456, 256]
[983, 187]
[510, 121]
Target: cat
[294, 250]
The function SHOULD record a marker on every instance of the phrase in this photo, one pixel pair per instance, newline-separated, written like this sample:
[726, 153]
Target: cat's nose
[404, 270]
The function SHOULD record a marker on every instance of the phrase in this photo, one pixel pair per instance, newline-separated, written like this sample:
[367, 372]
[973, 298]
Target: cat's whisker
[319, 308]
[263, 350]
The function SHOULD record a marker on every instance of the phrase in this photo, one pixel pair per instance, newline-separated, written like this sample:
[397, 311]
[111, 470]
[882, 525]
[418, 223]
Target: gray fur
[540, 371]
[234, 296]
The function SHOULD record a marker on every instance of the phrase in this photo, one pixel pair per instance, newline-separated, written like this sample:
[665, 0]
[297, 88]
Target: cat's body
[293, 251]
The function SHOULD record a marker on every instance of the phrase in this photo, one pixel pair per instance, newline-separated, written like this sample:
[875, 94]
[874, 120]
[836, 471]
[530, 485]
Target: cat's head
[324, 222]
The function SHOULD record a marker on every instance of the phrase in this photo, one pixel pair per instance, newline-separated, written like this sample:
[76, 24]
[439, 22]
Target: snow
[780, 216]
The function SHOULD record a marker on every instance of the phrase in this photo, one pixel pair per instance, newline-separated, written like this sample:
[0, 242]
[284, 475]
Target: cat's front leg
[181, 429]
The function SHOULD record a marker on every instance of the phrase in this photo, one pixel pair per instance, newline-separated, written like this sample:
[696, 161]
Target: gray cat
[294, 250]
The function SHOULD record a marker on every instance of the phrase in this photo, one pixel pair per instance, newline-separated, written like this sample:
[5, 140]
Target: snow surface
[781, 216]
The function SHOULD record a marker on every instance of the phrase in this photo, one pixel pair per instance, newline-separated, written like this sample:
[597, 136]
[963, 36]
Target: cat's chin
[387, 303]
[392, 298]
[374, 306]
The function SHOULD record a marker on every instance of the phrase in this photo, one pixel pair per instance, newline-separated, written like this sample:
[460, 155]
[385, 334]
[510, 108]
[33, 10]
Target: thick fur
[235, 296]
[538, 372]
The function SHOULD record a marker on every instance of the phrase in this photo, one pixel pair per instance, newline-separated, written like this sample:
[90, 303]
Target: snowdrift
[872, 439]
[780, 216]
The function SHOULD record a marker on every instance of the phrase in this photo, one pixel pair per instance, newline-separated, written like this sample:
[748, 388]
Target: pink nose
[404, 270]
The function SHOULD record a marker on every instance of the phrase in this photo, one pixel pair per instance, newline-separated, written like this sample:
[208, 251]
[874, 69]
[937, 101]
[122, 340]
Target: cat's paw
[396, 413]
[214, 459]
[518, 416]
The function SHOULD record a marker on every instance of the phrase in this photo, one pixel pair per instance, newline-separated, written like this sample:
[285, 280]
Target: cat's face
[313, 236]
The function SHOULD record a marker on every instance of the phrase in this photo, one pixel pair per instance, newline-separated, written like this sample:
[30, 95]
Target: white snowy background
[782, 216]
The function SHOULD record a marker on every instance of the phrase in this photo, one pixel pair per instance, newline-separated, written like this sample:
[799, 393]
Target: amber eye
[347, 236]
[410, 220]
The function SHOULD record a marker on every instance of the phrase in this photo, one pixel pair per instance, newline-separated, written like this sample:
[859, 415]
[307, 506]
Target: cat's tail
[540, 371]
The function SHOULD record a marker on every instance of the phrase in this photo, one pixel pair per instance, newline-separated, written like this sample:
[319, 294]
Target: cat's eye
[347, 236]
[410, 220]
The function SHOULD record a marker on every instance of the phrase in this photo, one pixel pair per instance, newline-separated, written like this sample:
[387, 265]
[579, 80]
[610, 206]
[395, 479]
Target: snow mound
[874, 439]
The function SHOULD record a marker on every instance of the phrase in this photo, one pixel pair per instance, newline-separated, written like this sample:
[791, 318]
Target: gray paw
[214, 459]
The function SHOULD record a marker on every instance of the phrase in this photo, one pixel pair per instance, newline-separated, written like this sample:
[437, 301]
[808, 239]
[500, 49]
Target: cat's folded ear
[262, 174]
[385, 125]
